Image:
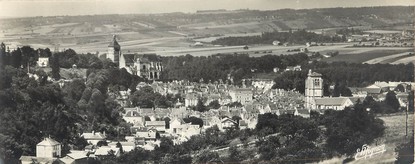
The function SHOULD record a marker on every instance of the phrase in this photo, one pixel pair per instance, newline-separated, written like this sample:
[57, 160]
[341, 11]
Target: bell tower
[114, 50]
[313, 88]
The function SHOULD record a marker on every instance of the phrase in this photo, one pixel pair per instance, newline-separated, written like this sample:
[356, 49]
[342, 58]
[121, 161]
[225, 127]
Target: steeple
[114, 43]
[114, 50]
[313, 88]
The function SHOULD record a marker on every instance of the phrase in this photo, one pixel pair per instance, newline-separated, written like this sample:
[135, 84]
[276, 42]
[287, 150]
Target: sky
[29, 8]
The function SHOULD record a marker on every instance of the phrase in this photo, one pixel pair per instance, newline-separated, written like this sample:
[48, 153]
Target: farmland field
[367, 54]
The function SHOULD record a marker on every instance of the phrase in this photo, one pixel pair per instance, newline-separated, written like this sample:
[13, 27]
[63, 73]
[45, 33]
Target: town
[269, 98]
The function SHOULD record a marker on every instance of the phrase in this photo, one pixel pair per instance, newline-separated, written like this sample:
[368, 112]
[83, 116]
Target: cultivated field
[366, 54]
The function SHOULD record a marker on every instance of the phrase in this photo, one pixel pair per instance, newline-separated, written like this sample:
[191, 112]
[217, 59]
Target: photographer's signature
[368, 152]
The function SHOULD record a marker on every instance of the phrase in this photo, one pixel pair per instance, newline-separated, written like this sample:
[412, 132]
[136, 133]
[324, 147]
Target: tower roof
[114, 43]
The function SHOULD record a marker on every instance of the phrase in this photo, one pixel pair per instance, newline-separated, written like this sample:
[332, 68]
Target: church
[314, 99]
[147, 66]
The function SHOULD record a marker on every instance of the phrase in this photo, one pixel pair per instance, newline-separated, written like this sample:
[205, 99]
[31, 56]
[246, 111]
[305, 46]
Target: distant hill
[244, 20]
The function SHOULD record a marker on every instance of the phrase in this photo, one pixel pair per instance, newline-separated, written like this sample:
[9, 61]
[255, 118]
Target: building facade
[242, 95]
[147, 66]
[48, 148]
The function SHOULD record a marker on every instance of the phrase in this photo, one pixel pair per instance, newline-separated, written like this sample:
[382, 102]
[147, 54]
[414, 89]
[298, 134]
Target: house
[309, 44]
[158, 125]
[228, 123]
[363, 92]
[263, 83]
[276, 43]
[335, 103]
[141, 137]
[107, 150]
[47, 151]
[48, 148]
[198, 44]
[126, 146]
[41, 160]
[43, 62]
[177, 126]
[276, 69]
[148, 66]
[74, 157]
[133, 117]
[293, 68]
[211, 121]
[94, 137]
[191, 99]
[243, 124]
[302, 112]
[242, 95]
[384, 86]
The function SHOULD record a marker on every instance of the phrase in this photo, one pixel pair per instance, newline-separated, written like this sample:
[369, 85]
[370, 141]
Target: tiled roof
[155, 123]
[94, 136]
[132, 113]
[334, 101]
[104, 150]
[148, 135]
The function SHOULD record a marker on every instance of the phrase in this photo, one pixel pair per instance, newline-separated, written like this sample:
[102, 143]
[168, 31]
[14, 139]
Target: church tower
[114, 50]
[313, 88]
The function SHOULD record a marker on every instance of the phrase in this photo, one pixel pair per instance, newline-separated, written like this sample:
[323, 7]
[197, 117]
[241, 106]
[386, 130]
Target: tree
[206, 156]
[200, 106]
[79, 143]
[235, 104]
[167, 121]
[392, 101]
[194, 121]
[118, 145]
[400, 88]
[54, 64]
[234, 154]
[166, 145]
[349, 129]
[214, 104]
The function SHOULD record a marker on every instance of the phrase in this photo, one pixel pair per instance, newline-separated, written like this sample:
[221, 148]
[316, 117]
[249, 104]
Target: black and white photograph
[207, 81]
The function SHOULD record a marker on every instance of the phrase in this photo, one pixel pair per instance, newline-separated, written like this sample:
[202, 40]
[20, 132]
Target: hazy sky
[24, 8]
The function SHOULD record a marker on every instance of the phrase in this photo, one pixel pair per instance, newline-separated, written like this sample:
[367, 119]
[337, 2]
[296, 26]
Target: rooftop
[48, 142]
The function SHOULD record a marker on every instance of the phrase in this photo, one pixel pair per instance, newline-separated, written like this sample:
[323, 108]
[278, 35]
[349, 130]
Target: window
[316, 82]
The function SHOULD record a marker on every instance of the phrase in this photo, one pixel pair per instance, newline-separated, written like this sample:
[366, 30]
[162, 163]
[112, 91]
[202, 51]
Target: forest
[36, 108]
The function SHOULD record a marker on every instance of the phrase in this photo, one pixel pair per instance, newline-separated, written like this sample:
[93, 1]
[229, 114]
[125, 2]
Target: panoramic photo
[207, 81]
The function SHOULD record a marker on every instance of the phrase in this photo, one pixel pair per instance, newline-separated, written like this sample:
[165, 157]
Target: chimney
[93, 132]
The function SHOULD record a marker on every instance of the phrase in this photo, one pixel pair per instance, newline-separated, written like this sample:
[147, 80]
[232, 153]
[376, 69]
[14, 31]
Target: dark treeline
[347, 31]
[296, 37]
[346, 74]
[214, 68]
[22, 56]
[27, 56]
